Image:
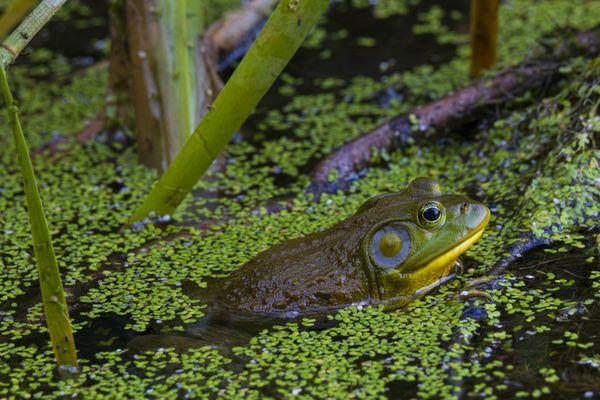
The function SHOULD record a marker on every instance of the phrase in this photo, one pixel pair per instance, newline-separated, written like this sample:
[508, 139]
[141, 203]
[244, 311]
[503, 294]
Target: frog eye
[432, 214]
[390, 246]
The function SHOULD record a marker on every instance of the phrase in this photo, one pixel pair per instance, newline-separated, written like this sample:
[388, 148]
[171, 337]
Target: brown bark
[457, 108]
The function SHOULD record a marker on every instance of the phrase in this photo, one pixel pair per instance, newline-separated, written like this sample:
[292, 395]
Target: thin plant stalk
[283, 34]
[484, 35]
[22, 35]
[13, 14]
[53, 296]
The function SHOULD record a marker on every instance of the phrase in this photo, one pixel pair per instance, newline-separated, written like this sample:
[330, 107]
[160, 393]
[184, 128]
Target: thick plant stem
[172, 83]
[22, 35]
[484, 34]
[163, 65]
[285, 30]
[53, 296]
[13, 14]
[181, 76]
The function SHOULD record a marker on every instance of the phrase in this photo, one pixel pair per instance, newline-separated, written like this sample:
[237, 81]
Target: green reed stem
[53, 296]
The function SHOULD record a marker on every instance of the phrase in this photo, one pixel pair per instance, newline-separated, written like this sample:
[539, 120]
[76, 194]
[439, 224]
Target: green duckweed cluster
[535, 164]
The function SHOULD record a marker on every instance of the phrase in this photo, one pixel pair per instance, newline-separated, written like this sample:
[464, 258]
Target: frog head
[417, 238]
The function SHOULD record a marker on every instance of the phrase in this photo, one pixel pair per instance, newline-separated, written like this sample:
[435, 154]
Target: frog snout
[478, 215]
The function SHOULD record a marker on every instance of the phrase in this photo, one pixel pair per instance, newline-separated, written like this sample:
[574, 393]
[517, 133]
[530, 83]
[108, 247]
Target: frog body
[392, 247]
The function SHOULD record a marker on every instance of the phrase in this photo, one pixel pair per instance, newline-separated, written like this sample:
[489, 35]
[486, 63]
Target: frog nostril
[464, 207]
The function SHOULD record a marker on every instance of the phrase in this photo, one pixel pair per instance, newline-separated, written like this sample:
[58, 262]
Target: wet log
[456, 109]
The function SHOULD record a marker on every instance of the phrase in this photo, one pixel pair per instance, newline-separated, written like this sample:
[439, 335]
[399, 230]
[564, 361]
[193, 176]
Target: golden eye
[389, 245]
[432, 214]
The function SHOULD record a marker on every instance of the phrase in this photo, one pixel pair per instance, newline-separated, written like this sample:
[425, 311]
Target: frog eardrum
[390, 245]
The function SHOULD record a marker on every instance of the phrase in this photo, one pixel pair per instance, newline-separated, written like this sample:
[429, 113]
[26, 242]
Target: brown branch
[92, 128]
[457, 108]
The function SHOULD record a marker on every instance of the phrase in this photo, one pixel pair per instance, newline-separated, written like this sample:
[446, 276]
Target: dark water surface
[395, 48]
[79, 35]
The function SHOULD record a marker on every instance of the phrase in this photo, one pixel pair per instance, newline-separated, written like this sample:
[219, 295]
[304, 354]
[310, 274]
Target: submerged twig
[53, 296]
[517, 250]
[88, 132]
[20, 37]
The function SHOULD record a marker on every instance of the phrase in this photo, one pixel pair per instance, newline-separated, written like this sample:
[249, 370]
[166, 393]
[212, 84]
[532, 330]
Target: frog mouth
[449, 257]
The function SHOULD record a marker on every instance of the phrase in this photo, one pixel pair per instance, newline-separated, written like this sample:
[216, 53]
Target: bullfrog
[391, 249]
[394, 248]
